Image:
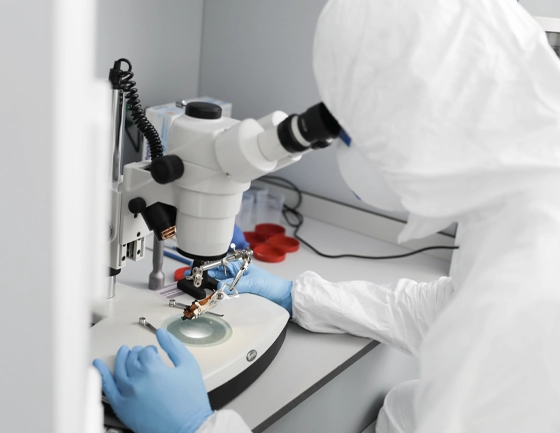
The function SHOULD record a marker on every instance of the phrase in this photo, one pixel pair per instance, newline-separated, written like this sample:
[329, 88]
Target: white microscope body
[220, 157]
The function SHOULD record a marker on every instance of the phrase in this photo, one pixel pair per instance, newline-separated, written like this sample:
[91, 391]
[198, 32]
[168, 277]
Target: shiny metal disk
[204, 331]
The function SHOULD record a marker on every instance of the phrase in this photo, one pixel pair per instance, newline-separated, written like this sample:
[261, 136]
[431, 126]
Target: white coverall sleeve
[398, 314]
[224, 421]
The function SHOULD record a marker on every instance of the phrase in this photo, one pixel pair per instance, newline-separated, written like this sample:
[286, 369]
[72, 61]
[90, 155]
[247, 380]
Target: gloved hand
[239, 238]
[150, 397]
[257, 281]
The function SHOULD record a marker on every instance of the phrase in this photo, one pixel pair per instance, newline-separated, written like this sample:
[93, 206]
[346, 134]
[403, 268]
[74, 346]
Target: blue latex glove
[257, 281]
[239, 238]
[150, 397]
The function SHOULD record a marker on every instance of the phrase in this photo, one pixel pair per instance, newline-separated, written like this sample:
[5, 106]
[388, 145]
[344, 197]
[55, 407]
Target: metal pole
[112, 284]
[117, 119]
[157, 278]
[117, 114]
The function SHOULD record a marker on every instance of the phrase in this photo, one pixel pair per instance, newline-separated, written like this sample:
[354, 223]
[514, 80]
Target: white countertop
[307, 361]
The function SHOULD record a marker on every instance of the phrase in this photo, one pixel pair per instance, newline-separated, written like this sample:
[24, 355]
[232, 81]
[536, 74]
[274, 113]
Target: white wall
[163, 41]
[257, 55]
[542, 8]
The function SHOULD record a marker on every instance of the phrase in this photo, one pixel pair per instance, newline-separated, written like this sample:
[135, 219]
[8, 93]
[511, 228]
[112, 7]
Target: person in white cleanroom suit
[456, 104]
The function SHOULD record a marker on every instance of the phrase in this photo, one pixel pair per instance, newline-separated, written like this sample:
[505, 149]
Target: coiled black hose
[140, 120]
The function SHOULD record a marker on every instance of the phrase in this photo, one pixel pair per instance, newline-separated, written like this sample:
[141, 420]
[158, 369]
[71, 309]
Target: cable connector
[115, 75]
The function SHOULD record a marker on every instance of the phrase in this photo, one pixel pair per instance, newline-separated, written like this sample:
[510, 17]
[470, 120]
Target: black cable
[299, 219]
[137, 113]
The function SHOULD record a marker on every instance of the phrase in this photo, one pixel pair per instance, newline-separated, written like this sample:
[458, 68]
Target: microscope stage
[232, 351]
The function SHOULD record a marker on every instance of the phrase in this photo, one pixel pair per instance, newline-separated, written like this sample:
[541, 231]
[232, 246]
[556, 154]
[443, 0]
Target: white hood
[455, 102]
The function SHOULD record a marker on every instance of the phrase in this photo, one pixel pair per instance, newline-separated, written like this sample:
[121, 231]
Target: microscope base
[222, 395]
[229, 365]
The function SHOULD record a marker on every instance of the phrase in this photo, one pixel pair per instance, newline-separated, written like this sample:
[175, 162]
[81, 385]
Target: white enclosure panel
[51, 215]
[27, 194]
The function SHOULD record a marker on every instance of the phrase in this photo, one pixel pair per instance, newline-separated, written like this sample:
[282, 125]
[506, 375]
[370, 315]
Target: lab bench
[323, 382]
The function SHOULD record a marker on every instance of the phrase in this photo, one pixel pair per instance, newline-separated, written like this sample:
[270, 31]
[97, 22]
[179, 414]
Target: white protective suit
[457, 104]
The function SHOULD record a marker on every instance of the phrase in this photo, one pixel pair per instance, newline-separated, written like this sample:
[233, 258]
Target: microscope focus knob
[137, 205]
[167, 169]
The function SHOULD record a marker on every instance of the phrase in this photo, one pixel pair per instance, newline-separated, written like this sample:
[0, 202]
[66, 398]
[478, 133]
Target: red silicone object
[268, 230]
[285, 243]
[180, 273]
[266, 253]
[254, 239]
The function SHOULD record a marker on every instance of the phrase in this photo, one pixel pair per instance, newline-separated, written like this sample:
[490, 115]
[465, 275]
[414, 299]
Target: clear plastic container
[271, 211]
[260, 192]
[244, 218]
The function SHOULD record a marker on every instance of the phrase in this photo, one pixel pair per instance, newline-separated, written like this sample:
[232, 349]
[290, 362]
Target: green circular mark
[205, 331]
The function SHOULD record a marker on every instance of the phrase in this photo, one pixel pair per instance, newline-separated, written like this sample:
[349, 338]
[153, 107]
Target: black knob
[137, 205]
[167, 169]
[203, 110]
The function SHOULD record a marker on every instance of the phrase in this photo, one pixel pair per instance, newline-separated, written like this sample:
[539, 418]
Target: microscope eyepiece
[313, 129]
[318, 124]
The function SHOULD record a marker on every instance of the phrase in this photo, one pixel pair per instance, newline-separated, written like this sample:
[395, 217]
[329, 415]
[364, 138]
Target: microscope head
[206, 198]
[211, 160]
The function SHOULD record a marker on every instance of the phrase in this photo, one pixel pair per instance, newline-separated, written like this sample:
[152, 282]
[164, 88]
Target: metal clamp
[175, 304]
[246, 256]
[196, 309]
